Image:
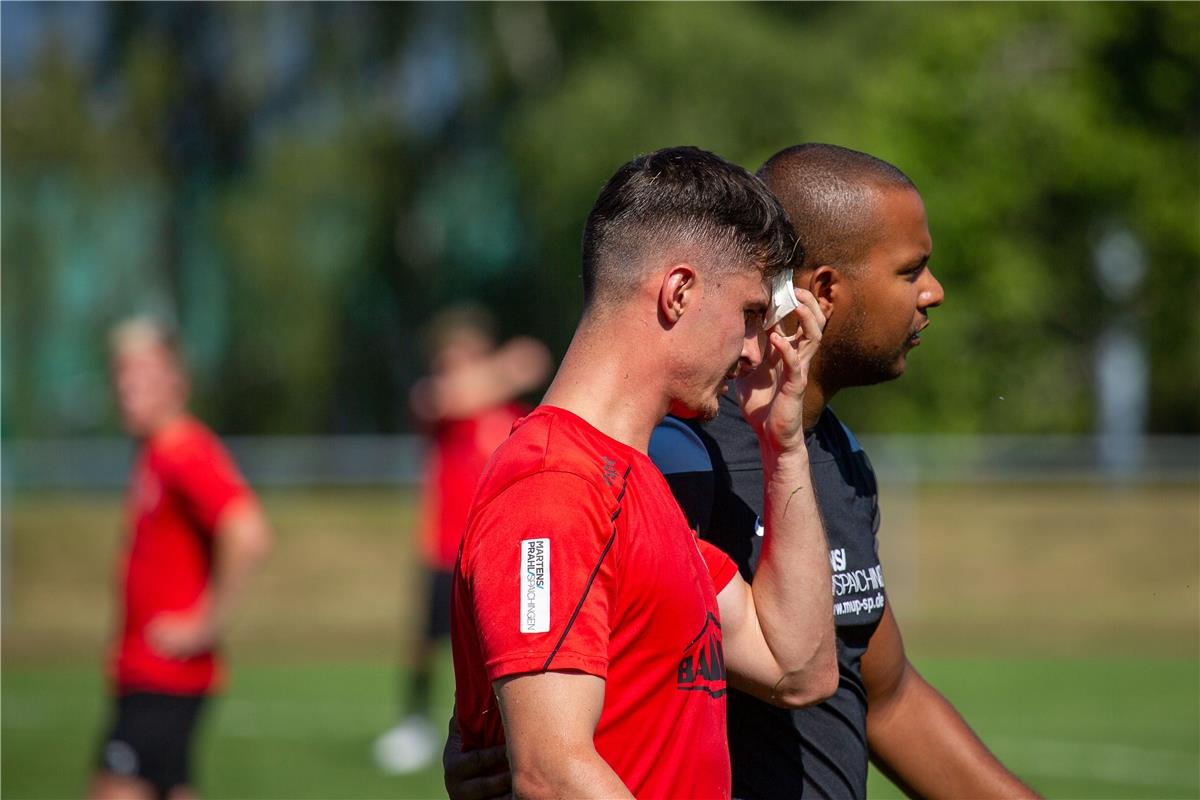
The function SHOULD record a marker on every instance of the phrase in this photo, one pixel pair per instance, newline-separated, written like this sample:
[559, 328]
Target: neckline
[558, 411]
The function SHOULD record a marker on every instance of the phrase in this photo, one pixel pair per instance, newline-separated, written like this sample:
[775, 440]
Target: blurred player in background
[468, 405]
[196, 535]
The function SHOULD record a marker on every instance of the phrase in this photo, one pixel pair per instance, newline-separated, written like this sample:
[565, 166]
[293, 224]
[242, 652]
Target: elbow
[530, 783]
[551, 773]
[814, 684]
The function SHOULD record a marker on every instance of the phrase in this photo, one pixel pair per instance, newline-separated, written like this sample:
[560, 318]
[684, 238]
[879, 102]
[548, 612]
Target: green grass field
[1063, 621]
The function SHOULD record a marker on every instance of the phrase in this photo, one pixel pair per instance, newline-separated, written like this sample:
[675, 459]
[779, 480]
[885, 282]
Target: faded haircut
[681, 199]
[829, 194]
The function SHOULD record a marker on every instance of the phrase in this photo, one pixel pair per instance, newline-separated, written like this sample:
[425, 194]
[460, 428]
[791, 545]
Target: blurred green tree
[1028, 128]
[301, 186]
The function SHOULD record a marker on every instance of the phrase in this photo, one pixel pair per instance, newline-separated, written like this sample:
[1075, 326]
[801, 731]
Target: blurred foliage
[301, 186]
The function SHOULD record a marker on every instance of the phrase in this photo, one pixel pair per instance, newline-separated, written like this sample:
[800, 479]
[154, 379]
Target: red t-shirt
[577, 557]
[460, 450]
[182, 482]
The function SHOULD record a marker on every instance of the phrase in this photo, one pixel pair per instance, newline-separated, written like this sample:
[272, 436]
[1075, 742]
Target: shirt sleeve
[201, 472]
[720, 566]
[541, 572]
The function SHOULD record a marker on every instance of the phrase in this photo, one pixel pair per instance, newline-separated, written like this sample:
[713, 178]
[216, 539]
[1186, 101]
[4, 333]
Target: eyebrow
[918, 264]
[757, 305]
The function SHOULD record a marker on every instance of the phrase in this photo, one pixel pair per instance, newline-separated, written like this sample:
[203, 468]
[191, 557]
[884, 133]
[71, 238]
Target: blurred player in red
[468, 406]
[196, 534]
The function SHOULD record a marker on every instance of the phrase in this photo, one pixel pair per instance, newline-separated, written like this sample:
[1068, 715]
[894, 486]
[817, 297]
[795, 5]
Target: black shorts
[151, 738]
[437, 621]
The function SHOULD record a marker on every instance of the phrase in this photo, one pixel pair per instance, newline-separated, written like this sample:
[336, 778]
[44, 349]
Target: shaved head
[829, 194]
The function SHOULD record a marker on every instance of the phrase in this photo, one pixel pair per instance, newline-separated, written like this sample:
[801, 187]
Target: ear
[676, 292]
[825, 283]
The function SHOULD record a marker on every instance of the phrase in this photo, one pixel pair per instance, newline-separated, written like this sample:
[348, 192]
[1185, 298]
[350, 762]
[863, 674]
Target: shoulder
[731, 442]
[676, 448]
[840, 441]
[550, 453]
[184, 441]
[839, 432]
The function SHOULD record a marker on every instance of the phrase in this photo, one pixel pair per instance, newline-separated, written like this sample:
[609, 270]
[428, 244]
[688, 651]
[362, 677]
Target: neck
[816, 396]
[164, 422]
[608, 379]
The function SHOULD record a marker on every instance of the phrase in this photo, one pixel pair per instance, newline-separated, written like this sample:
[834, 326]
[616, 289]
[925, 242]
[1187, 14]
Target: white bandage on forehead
[783, 300]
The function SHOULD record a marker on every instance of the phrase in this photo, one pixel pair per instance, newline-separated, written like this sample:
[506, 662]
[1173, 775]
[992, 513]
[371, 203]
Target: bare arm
[549, 722]
[519, 366]
[778, 633]
[241, 542]
[916, 736]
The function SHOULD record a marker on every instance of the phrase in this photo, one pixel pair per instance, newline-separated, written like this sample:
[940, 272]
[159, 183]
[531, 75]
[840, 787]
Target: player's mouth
[915, 338]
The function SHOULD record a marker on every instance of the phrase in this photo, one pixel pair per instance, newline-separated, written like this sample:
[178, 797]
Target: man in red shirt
[467, 405]
[196, 534]
[593, 632]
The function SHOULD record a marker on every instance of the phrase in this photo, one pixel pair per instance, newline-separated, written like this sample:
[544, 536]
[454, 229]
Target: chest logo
[855, 591]
[610, 470]
[702, 668]
[837, 559]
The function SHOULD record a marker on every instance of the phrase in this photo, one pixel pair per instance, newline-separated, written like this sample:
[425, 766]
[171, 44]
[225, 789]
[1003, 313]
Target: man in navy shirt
[867, 247]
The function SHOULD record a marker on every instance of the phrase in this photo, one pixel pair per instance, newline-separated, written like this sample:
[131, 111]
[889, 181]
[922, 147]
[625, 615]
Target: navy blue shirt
[715, 471]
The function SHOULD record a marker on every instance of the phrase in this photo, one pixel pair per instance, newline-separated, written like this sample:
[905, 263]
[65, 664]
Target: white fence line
[103, 463]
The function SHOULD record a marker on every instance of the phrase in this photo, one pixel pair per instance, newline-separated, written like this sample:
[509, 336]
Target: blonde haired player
[196, 534]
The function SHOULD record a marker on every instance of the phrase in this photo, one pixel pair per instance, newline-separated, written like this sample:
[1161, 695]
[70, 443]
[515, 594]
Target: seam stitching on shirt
[595, 571]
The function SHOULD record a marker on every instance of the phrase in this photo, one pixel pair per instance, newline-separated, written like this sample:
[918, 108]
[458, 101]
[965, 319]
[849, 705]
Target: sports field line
[1112, 763]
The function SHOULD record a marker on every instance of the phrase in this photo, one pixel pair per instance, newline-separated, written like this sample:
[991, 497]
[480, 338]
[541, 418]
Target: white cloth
[783, 300]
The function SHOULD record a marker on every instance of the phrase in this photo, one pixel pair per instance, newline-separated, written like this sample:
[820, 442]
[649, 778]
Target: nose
[931, 294]
[753, 347]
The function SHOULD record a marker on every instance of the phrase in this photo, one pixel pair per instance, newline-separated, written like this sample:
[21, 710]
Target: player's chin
[704, 409]
[708, 412]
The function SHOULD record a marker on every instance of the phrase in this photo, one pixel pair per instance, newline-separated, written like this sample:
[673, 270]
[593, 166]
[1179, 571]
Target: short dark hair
[829, 195]
[681, 196]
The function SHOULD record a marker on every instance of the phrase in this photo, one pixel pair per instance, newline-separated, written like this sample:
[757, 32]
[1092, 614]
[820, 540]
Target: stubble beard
[844, 362]
[709, 411]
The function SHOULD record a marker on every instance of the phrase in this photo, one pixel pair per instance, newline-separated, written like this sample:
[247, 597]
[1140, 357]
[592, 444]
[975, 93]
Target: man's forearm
[791, 587]
[925, 746]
